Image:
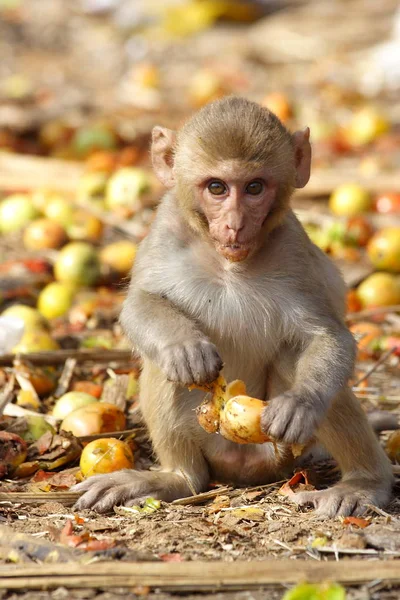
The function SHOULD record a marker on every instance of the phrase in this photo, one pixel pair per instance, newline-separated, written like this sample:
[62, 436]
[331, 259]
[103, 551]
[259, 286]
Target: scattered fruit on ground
[98, 417]
[366, 334]
[13, 451]
[93, 137]
[70, 402]
[350, 199]
[85, 226]
[366, 126]
[35, 428]
[353, 303]
[119, 256]
[105, 455]
[16, 211]
[56, 299]
[94, 389]
[60, 210]
[35, 340]
[44, 233]
[92, 188]
[126, 187]
[388, 203]
[358, 231]
[30, 316]
[384, 249]
[379, 289]
[77, 263]
[278, 103]
[393, 446]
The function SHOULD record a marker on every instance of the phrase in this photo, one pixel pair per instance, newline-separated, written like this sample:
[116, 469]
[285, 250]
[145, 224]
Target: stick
[382, 359]
[57, 357]
[196, 575]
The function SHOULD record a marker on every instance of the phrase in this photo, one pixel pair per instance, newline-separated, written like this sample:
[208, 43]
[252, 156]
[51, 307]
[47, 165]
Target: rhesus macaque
[227, 277]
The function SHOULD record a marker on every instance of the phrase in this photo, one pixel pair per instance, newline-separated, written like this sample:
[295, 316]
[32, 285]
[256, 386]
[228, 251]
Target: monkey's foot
[346, 498]
[128, 487]
[290, 419]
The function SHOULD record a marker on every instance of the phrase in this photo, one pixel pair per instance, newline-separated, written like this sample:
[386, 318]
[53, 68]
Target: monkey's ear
[163, 141]
[302, 156]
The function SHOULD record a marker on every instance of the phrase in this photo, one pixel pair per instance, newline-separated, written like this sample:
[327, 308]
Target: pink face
[236, 205]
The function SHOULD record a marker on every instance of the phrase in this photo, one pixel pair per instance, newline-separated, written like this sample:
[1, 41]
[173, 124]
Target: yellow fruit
[35, 341]
[55, 299]
[379, 289]
[384, 249]
[16, 211]
[119, 256]
[43, 234]
[366, 125]
[85, 226]
[70, 402]
[30, 316]
[350, 199]
[96, 417]
[240, 420]
[105, 455]
[126, 187]
[59, 210]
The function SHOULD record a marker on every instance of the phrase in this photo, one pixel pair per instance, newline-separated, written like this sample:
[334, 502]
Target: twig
[66, 377]
[371, 312]
[57, 357]
[203, 497]
[382, 359]
[7, 394]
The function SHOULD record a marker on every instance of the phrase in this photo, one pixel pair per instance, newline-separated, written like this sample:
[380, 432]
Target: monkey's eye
[254, 188]
[217, 188]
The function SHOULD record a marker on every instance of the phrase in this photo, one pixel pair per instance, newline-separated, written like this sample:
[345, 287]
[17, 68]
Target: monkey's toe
[343, 499]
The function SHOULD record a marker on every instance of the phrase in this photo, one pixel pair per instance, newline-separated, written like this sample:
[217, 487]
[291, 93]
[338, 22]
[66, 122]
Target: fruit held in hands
[350, 199]
[236, 416]
[78, 264]
[98, 417]
[70, 402]
[105, 456]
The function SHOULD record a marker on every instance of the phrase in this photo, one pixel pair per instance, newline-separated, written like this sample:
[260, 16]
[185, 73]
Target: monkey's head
[233, 167]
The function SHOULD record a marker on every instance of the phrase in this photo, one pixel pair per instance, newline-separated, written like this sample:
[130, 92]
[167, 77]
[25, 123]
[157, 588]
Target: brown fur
[275, 320]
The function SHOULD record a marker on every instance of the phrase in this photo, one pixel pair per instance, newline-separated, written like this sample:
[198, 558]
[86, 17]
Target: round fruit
[78, 264]
[93, 137]
[125, 188]
[279, 104]
[353, 303]
[366, 125]
[99, 417]
[240, 420]
[105, 456]
[42, 197]
[388, 203]
[30, 316]
[358, 231]
[384, 249]
[56, 299]
[379, 289]
[16, 211]
[35, 341]
[85, 226]
[44, 233]
[60, 211]
[92, 187]
[13, 451]
[119, 256]
[70, 402]
[350, 199]
[393, 446]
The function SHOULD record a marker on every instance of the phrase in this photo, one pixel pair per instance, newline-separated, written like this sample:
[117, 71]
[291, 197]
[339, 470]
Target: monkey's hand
[291, 419]
[191, 362]
[128, 487]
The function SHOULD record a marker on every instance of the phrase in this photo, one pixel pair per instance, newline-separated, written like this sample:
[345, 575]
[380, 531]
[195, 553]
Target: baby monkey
[228, 277]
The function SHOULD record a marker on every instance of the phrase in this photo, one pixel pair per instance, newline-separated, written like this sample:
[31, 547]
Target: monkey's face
[236, 203]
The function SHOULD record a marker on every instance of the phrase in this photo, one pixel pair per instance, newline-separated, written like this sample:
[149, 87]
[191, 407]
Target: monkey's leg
[366, 472]
[171, 422]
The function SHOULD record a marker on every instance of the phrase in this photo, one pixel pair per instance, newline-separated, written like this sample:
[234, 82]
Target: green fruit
[77, 263]
[30, 316]
[93, 137]
[16, 211]
[125, 188]
[36, 427]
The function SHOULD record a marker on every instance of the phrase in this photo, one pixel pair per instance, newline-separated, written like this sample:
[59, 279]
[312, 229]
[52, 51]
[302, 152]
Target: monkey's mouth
[234, 252]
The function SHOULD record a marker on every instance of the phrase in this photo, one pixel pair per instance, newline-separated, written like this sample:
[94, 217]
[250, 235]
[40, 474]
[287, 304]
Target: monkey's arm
[324, 363]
